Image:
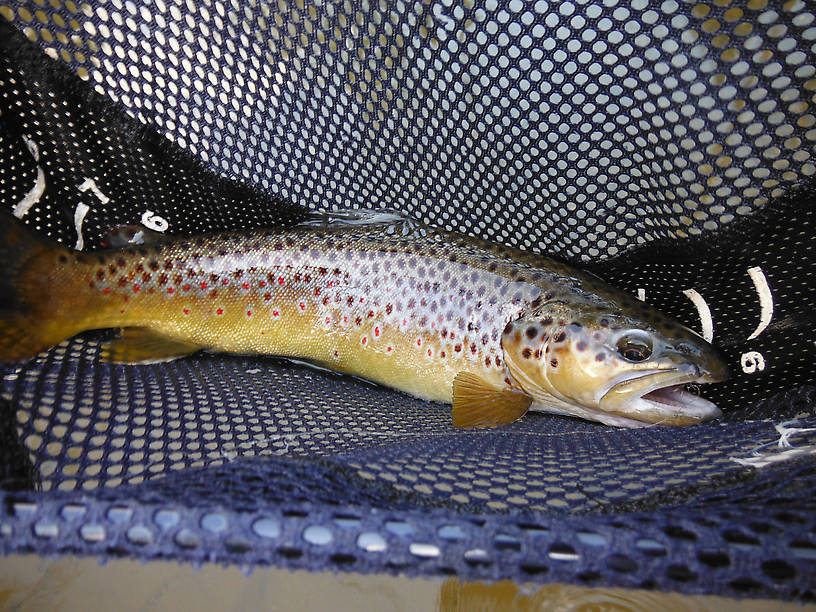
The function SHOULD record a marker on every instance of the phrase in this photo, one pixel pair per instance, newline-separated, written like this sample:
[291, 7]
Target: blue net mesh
[667, 148]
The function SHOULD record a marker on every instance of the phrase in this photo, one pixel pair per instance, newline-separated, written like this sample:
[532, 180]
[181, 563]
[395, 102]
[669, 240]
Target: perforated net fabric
[668, 147]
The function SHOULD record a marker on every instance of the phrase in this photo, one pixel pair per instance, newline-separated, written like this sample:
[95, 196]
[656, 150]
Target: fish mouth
[660, 397]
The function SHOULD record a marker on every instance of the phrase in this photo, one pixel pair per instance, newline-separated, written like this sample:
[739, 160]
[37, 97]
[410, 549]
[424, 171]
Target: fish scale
[339, 298]
[442, 316]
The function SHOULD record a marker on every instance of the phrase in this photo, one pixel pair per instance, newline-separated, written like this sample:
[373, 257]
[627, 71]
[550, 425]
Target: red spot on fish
[136, 288]
[275, 313]
[326, 301]
[452, 335]
[122, 311]
[345, 319]
[214, 293]
[358, 320]
[185, 288]
[220, 311]
[405, 321]
[317, 291]
[302, 306]
[458, 348]
[186, 311]
[498, 361]
[106, 290]
[249, 313]
[419, 341]
[364, 339]
[203, 285]
[267, 296]
[262, 283]
[362, 300]
[328, 320]
[335, 354]
[376, 331]
[225, 282]
[245, 286]
[442, 354]
[473, 348]
[170, 290]
[429, 352]
[370, 314]
[281, 281]
[389, 349]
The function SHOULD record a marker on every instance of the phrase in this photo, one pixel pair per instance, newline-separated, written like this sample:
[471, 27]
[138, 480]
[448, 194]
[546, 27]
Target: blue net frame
[668, 148]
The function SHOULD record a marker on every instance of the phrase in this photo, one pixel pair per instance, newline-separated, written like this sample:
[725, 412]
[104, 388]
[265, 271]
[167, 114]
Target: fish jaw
[658, 397]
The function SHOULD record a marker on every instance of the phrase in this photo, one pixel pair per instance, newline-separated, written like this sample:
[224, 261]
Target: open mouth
[660, 397]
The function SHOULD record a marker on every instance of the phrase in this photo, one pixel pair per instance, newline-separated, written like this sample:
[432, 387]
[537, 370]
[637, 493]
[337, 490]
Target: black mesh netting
[667, 146]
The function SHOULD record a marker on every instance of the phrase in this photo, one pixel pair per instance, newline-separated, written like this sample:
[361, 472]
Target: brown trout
[493, 330]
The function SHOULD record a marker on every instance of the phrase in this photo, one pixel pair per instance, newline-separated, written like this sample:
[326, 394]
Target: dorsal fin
[477, 403]
[396, 222]
[123, 236]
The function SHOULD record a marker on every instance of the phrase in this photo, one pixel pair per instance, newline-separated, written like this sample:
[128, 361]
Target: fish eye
[635, 346]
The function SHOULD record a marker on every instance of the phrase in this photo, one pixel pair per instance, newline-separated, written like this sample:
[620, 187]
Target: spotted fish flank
[378, 296]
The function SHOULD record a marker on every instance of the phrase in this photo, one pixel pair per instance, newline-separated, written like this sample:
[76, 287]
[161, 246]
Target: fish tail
[29, 303]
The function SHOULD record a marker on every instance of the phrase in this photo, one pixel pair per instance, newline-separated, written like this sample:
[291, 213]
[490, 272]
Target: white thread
[79, 217]
[32, 197]
[765, 300]
[90, 184]
[35, 193]
[32, 148]
[786, 431]
[706, 321]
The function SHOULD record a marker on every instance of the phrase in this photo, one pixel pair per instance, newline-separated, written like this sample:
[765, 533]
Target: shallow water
[32, 583]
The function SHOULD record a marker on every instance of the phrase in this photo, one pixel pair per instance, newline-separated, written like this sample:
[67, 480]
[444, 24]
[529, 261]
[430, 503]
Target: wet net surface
[668, 148]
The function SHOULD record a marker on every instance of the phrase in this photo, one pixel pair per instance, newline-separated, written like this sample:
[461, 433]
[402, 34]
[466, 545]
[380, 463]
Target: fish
[492, 330]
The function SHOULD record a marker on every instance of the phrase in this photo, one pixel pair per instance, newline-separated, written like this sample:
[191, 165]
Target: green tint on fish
[493, 330]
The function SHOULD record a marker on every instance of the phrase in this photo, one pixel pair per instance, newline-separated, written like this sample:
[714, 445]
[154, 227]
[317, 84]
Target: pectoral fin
[477, 403]
[143, 345]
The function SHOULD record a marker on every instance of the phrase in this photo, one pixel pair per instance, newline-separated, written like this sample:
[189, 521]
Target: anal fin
[477, 403]
[144, 345]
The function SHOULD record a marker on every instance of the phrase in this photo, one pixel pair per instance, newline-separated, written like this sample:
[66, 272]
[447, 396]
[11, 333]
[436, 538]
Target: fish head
[614, 368]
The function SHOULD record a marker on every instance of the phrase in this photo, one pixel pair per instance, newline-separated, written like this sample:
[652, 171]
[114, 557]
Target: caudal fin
[25, 326]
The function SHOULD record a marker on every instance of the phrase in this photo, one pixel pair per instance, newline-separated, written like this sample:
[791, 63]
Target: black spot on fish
[581, 346]
[600, 357]
[531, 332]
[527, 353]
[604, 322]
[559, 337]
[546, 321]
[508, 328]
[554, 363]
[63, 258]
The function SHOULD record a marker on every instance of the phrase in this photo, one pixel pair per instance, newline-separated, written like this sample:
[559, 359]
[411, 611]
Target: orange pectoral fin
[477, 403]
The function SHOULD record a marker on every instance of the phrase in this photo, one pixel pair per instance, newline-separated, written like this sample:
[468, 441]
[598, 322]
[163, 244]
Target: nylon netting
[667, 146]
